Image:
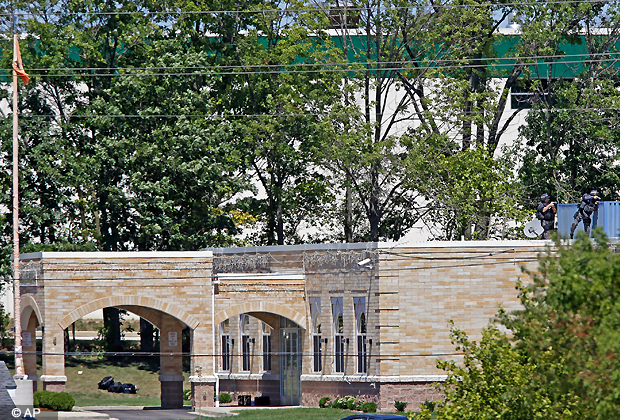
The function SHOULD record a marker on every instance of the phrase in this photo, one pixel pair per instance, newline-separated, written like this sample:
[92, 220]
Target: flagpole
[19, 365]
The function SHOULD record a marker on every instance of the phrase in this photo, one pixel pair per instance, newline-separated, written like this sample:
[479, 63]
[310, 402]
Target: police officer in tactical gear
[584, 212]
[545, 212]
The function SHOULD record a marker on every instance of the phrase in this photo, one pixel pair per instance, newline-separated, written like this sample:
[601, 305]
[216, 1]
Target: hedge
[57, 401]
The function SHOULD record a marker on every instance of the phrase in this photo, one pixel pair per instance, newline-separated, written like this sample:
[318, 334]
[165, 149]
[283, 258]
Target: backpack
[106, 382]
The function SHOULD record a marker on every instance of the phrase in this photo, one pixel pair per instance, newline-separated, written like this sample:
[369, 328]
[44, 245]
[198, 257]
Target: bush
[347, 403]
[225, 398]
[57, 401]
[323, 402]
[400, 406]
[355, 404]
[187, 394]
[429, 405]
[369, 407]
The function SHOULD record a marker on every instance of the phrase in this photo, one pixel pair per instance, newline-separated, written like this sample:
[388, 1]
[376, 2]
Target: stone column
[53, 377]
[203, 392]
[202, 377]
[29, 343]
[171, 370]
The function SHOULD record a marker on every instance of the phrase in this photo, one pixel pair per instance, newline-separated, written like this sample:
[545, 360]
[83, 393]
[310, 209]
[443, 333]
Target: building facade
[291, 323]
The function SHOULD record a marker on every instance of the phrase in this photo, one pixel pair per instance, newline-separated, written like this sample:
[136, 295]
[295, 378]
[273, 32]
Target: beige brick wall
[410, 294]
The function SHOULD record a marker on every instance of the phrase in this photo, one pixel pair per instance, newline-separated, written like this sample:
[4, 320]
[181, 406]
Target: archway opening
[148, 366]
[259, 357]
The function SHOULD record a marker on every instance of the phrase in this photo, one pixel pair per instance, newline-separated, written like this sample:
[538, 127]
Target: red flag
[18, 66]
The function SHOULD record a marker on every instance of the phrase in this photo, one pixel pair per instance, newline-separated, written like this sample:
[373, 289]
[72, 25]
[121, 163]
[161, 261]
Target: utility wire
[308, 71]
[72, 281]
[214, 67]
[301, 114]
[176, 354]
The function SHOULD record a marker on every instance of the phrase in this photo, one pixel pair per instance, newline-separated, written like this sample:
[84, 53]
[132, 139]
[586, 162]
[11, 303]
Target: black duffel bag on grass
[116, 387]
[106, 382]
[129, 389]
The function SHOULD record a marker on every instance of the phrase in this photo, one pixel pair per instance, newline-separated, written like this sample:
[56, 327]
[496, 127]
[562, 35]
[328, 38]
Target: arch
[29, 305]
[273, 308]
[148, 302]
[153, 316]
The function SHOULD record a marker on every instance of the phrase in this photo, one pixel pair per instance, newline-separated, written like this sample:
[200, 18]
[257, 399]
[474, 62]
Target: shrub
[187, 394]
[225, 398]
[347, 403]
[400, 406]
[429, 405]
[57, 401]
[323, 402]
[355, 404]
[369, 407]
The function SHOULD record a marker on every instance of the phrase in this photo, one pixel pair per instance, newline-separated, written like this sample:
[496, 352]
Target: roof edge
[116, 254]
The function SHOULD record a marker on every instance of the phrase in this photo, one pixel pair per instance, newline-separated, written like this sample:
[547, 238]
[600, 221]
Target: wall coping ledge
[103, 255]
[171, 378]
[202, 379]
[53, 378]
[265, 376]
[374, 379]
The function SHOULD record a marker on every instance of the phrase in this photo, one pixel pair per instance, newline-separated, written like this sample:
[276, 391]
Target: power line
[301, 114]
[240, 66]
[256, 354]
[138, 284]
[343, 70]
[306, 10]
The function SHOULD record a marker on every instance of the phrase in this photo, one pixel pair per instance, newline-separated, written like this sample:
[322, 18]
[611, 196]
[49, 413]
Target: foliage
[561, 357]
[57, 401]
[187, 394]
[323, 402]
[400, 406]
[199, 130]
[369, 407]
[4, 327]
[347, 403]
[567, 330]
[224, 398]
[487, 384]
[566, 154]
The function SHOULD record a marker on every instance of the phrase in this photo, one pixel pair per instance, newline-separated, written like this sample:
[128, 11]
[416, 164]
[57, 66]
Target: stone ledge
[100, 255]
[374, 379]
[53, 378]
[249, 376]
[202, 379]
[171, 378]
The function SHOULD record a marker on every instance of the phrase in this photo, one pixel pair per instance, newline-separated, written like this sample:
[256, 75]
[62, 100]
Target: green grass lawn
[144, 374]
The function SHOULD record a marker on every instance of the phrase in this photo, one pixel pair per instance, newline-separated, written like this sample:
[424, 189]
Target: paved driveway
[149, 414]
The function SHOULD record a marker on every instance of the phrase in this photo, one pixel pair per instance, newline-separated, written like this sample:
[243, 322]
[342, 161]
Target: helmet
[594, 193]
[544, 197]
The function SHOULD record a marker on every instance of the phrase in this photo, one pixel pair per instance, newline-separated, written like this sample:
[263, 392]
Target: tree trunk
[146, 336]
[112, 325]
[348, 216]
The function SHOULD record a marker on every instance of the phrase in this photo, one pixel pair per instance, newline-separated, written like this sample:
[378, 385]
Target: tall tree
[571, 137]
[561, 360]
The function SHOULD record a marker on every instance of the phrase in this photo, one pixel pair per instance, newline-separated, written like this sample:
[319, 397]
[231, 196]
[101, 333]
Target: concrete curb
[71, 415]
[215, 412]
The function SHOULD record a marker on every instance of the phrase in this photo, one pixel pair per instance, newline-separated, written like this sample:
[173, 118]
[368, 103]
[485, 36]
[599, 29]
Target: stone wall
[408, 295]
